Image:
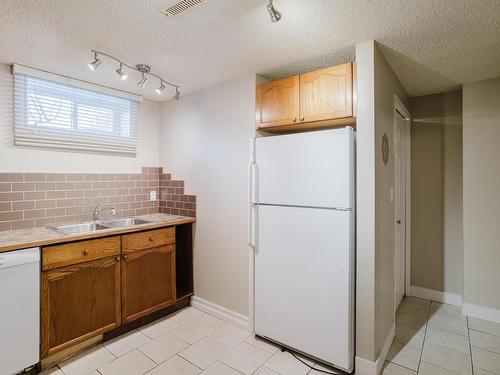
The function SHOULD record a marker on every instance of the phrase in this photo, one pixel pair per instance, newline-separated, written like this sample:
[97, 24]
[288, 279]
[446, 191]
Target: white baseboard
[436, 295]
[366, 367]
[221, 312]
[481, 312]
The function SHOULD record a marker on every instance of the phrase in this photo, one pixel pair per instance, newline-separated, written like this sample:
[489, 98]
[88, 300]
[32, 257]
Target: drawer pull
[85, 252]
[302, 119]
[151, 239]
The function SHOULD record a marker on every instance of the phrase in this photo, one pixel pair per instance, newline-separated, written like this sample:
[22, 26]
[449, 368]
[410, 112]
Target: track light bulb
[160, 89]
[142, 82]
[121, 74]
[95, 64]
[273, 12]
[177, 95]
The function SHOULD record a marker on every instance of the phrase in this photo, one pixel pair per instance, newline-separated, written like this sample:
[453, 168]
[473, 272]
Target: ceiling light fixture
[160, 89]
[121, 74]
[177, 95]
[273, 12]
[95, 64]
[144, 69]
[142, 82]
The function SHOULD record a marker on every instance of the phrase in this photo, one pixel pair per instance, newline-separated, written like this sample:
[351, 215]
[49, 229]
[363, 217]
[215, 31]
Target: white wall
[205, 142]
[481, 199]
[23, 159]
[365, 204]
[377, 85]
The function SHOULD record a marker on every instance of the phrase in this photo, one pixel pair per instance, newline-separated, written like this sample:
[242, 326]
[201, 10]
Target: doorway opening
[402, 201]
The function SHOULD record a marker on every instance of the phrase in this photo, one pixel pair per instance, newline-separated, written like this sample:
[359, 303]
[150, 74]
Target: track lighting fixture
[142, 82]
[177, 95]
[95, 64]
[121, 74]
[144, 69]
[273, 12]
[160, 89]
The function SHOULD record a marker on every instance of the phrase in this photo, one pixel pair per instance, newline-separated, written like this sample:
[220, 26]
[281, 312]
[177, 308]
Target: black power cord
[283, 349]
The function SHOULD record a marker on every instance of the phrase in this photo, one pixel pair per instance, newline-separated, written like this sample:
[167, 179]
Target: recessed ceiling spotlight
[273, 12]
[142, 82]
[121, 74]
[95, 64]
[160, 89]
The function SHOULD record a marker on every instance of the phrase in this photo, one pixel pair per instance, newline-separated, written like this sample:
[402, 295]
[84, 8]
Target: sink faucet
[98, 210]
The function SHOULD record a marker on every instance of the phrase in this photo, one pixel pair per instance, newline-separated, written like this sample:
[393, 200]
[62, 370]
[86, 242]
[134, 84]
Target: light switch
[152, 195]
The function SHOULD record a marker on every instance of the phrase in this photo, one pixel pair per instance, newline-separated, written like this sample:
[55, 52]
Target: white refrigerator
[302, 234]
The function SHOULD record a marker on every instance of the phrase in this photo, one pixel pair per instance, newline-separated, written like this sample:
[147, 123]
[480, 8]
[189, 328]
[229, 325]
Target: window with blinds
[53, 115]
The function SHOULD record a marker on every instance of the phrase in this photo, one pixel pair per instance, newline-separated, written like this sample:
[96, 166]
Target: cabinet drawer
[149, 239]
[78, 252]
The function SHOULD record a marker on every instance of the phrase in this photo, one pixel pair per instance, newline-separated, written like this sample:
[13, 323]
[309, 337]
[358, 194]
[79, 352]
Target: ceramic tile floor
[436, 339]
[431, 339]
[186, 343]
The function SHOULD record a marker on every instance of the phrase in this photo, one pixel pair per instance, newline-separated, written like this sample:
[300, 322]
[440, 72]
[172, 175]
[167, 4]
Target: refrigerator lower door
[304, 281]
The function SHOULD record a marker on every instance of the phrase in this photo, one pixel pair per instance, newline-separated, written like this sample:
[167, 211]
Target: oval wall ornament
[385, 149]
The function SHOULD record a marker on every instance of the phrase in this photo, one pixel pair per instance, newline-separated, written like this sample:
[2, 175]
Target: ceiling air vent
[181, 7]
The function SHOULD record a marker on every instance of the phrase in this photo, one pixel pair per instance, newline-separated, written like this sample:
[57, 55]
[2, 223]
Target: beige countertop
[33, 237]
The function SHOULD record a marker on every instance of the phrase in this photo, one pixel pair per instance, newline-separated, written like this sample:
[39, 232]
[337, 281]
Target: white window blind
[55, 115]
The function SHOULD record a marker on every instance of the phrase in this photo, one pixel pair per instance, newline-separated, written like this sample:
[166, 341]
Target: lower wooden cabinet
[148, 280]
[91, 287]
[78, 302]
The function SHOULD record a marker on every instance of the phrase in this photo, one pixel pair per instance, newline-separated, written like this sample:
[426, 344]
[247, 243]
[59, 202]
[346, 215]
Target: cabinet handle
[151, 239]
[294, 120]
[302, 119]
[85, 252]
[117, 259]
[124, 257]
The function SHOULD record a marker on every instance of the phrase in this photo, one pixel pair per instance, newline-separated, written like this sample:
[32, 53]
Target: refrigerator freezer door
[304, 281]
[314, 169]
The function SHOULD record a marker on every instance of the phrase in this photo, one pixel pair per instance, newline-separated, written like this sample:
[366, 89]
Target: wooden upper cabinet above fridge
[277, 102]
[320, 99]
[326, 94]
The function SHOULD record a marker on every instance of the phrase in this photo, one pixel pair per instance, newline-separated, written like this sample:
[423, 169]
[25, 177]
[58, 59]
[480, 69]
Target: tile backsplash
[30, 200]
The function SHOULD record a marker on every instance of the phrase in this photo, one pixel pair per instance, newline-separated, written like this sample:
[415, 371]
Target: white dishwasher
[19, 310]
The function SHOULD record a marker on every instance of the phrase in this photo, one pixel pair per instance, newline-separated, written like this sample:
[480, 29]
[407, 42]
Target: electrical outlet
[152, 195]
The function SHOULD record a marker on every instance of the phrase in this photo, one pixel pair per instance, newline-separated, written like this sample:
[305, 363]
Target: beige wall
[386, 86]
[22, 159]
[205, 141]
[481, 197]
[436, 207]
[377, 85]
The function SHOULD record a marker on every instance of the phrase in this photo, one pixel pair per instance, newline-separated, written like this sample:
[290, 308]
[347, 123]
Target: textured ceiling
[433, 45]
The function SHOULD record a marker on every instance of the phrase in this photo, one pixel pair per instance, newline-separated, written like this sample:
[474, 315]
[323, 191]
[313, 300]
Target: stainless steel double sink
[93, 226]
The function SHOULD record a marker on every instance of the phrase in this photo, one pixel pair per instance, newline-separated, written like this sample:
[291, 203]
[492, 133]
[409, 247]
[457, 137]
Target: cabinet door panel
[278, 102]
[148, 281]
[79, 302]
[326, 94]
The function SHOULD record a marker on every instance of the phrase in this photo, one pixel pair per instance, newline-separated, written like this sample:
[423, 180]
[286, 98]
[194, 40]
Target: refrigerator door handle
[252, 222]
[254, 215]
